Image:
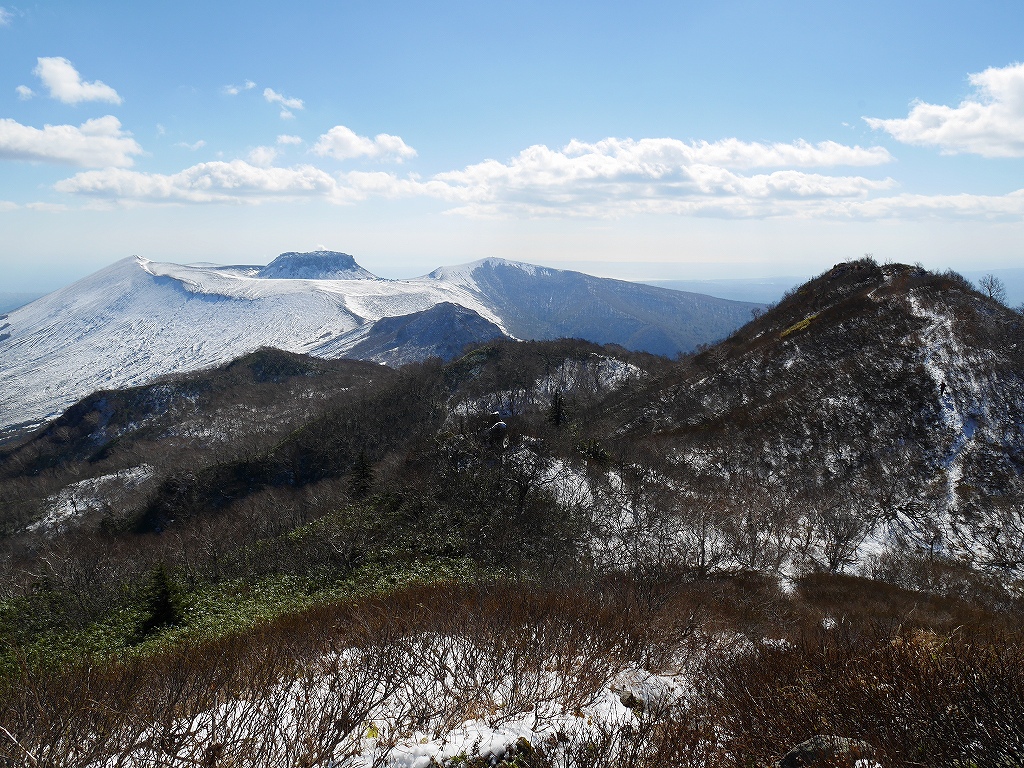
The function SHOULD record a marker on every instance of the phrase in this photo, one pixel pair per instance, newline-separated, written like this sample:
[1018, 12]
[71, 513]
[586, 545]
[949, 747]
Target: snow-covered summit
[464, 272]
[315, 265]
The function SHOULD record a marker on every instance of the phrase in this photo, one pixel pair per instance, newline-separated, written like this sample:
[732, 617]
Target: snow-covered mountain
[139, 319]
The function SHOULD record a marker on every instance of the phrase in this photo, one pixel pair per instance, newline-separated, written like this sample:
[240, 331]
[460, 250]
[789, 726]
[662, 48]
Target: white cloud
[24, 92]
[343, 143]
[193, 147]
[607, 178]
[66, 85]
[990, 124]
[287, 115]
[287, 104]
[219, 182]
[234, 90]
[728, 153]
[95, 144]
[621, 176]
[5, 17]
[263, 157]
[286, 139]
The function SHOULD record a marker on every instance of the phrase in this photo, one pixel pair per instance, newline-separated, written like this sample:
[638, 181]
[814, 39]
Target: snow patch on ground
[78, 499]
[272, 721]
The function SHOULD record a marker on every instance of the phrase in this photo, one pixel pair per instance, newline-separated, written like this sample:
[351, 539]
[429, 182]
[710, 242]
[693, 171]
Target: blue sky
[639, 140]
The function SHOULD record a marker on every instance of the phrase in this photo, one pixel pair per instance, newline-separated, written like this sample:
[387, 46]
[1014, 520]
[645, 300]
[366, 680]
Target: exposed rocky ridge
[316, 265]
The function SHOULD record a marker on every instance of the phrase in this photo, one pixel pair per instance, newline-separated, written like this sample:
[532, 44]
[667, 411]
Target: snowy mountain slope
[139, 319]
[885, 404]
[542, 303]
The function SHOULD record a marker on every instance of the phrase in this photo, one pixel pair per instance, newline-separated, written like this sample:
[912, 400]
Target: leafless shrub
[918, 697]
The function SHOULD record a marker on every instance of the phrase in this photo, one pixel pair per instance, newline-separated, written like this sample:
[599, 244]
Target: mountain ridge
[138, 319]
[884, 386]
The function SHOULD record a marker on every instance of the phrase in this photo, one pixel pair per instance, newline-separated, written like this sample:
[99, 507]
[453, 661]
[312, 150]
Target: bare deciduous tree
[993, 287]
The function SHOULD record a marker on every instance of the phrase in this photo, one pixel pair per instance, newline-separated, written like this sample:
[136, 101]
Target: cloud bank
[619, 176]
[66, 85]
[609, 178]
[216, 182]
[606, 178]
[990, 124]
[97, 143]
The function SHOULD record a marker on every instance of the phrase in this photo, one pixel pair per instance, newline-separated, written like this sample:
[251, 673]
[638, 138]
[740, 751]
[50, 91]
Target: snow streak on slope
[89, 495]
[960, 394]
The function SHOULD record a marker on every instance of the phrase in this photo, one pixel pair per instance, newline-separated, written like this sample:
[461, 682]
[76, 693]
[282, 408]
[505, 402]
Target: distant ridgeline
[137, 320]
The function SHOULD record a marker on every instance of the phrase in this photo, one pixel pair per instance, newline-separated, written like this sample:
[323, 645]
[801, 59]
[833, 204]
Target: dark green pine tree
[162, 609]
[360, 480]
[558, 414]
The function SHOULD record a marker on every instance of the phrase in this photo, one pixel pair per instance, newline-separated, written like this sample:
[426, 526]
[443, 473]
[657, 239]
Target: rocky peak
[315, 265]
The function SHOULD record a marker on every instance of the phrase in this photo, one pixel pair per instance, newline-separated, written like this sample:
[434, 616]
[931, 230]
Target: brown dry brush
[304, 688]
[207, 701]
[919, 697]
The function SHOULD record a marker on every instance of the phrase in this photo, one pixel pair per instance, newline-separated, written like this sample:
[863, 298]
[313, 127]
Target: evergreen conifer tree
[361, 479]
